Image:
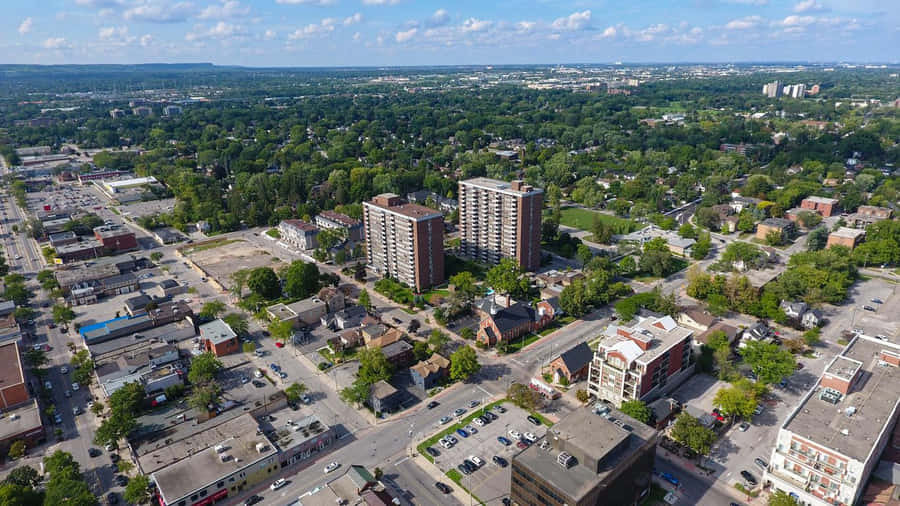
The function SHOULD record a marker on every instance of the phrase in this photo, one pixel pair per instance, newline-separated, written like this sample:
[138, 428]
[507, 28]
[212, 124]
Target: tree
[438, 341]
[204, 368]
[35, 358]
[62, 315]
[467, 333]
[638, 410]
[263, 282]
[656, 257]
[584, 253]
[582, 395]
[97, 408]
[281, 330]
[204, 396]
[294, 391]
[238, 323]
[373, 366]
[239, 280]
[687, 231]
[124, 466]
[12, 494]
[463, 363]
[465, 287]
[17, 449]
[702, 246]
[524, 397]
[357, 393]
[61, 465]
[774, 238]
[22, 314]
[116, 426]
[736, 400]
[782, 498]
[364, 300]
[25, 476]
[812, 336]
[603, 231]
[506, 277]
[138, 490]
[212, 309]
[770, 363]
[817, 238]
[708, 218]
[301, 279]
[574, 299]
[691, 433]
[156, 256]
[71, 492]
[627, 265]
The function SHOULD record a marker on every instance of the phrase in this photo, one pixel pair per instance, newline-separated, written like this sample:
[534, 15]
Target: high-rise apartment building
[500, 220]
[829, 445]
[404, 241]
[774, 89]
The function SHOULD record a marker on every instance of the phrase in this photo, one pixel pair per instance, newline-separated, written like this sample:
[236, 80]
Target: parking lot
[491, 481]
[882, 321]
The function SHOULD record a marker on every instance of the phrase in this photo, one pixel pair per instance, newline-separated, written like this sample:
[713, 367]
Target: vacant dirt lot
[221, 258]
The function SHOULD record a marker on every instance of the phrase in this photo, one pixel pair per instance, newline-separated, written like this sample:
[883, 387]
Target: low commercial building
[357, 486]
[167, 312]
[218, 338]
[589, 458]
[642, 361]
[9, 328]
[62, 239]
[847, 237]
[867, 215]
[115, 238]
[78, 251]
[152, 364]
[303, 312]
[21, 415]
[677, 245]
[429, 373]
[299, 234]
[398, 353]
[167, 235]
[169, 288]
[351, 228]
[829, 445]
[822, 205]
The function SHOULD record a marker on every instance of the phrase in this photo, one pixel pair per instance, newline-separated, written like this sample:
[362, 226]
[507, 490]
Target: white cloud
[110, 32]
[406, 35]
[476, 25]
[269, 35]
[160, 12]
[440, 18]
[525, 26]
[574, 21]
[380, 2]
[744, 23]
[809, 6]
[55, 43]
[609, 33]
[98, 3]
[748, 2]
[311, 30]
[354, 19]
[357, 36]
[220, 30]
[226, 10]
[318, 3]
[25, 27]
[146, 40]
[793, 20]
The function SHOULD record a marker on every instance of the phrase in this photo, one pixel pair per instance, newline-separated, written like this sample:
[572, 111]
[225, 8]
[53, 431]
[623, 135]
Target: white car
[331, 467]
[530, 437]
[515, 434]
[479, 422]
[471, 430]
[75, 387]
[478, 462]
[446, 444]
[64, 369]
[280, 482]
[452, 440]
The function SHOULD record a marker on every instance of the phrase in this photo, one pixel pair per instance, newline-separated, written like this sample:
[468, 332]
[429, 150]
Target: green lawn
[454, 265]
[656, 496]
[556, 325]
[274, 233]
[518, 343]
[583, 219]
[678, 265]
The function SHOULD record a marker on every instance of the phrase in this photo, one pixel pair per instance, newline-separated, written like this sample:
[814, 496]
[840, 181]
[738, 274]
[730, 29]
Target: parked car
[114, 457]
[877, 301]
[760, 463]
[122, 480]
[94, 452]
[280, 482]
[749, 478]
[499, 409]
[463, 469]
[431, 451]
[530, 437]
[443, 488]
[515, 434]
[474, 402]
[433, 404]
[470, 465]
[490, 415]
[446, 444]
[522, 445]
[64, 369]
[500, 461]
[479, 422]
[396, 320]
[477, 461]
[445, 419]
[471, 430]
[504, 441]
[758, 410]
[48, 385]
[534, 420]
[869, 308]
[459, 411]
[75, 387]
[462, 432]
[669, 477]
[253, 499]
[744, 426]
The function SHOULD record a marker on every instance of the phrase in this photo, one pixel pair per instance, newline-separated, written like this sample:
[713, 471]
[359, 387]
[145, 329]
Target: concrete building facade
[500, 220]
[299, 233]
[404, 241]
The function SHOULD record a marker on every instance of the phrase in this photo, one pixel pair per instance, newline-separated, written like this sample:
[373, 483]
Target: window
[220, 484]
[203, 493]
[194, 497]
[231, 479]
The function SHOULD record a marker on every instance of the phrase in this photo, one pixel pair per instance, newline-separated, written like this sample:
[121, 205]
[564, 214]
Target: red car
[718, 416]
[279, 344]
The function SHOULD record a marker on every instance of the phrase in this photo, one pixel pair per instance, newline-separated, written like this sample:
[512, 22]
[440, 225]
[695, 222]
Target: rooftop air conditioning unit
[565, 460]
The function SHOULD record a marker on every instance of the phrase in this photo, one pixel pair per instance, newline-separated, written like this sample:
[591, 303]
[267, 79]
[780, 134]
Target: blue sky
[419, 32]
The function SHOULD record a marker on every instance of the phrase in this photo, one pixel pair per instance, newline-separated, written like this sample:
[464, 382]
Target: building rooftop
[123, 183]
[20, 419]
[577, 357]
[340, 218]
[414, 211]
[10, 365]
[874, 397]
[289, 435]
[217, 331]
[656, 334]
[200, 464]
[301, 225]
[107, 231]
[598, 444]
[169, 333]
[500, 186]
[396, 348]
[7, 307]
[432, 365]
[848, 233]
[776, 222]
[822, 200]
[78, 246]
[382, 390]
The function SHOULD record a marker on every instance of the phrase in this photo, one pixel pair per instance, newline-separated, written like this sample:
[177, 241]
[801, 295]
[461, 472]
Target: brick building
[21, 415]
[867, 215]
[572, 364]
[218, 337]
[332, 220]
[503, 324]
[844, 236]
[827, 448]
[500, 220]
[115, 238]
[822, 205]
[404, 241]
[642, 361]
[784, 227]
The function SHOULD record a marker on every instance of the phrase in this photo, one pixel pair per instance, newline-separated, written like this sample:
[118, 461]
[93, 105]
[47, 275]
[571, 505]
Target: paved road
[693, 490]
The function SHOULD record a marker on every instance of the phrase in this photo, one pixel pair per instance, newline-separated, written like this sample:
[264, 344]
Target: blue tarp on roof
[99, 325]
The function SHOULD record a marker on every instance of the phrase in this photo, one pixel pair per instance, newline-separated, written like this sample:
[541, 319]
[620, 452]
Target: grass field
[583, 219]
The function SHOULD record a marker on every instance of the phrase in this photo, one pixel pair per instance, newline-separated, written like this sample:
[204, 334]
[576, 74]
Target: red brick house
[218, 338]
[573, 364]
[822, 205]
[507, 323]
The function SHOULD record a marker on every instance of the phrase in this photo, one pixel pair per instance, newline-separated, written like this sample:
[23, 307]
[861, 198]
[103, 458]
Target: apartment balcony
[789, 478]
